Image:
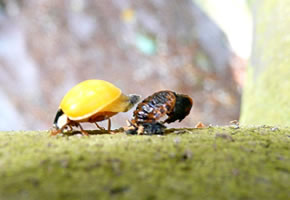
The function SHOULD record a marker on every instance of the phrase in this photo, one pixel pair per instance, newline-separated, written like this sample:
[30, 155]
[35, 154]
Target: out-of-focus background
[199, 48]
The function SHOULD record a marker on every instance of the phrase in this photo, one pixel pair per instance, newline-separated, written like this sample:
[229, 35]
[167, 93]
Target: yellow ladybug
[91, 101]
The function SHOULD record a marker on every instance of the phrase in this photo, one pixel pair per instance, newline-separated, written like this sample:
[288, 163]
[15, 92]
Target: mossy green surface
[266, 97]
[210, 163]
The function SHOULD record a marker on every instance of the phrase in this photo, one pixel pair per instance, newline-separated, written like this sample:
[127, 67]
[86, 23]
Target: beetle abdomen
[154, 107]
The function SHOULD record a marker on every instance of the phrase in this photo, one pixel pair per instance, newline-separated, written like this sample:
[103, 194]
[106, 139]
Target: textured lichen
[210, 163]
[266, 98]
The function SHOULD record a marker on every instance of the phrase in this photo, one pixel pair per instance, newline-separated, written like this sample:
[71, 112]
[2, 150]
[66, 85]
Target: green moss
[266, 98]
[212, 163]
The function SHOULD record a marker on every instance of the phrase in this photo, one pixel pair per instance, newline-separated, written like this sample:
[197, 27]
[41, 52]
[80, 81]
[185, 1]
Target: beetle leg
[70, 127]
[128, 123]
[109, 125]
[101, 128]
[82, 130]
[140, 130]
[54, 132]
[57, 131]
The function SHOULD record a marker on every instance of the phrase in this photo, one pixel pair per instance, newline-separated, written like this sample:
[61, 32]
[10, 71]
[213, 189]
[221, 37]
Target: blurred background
[196, 47]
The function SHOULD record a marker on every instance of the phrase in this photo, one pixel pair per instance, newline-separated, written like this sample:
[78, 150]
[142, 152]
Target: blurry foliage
[266, 98]
[140, 46]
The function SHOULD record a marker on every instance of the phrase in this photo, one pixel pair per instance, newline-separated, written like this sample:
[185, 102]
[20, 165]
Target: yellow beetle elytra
[91, 101]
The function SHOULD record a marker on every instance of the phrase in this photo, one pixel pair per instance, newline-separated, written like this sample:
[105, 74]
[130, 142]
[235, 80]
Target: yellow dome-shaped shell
[90, 97]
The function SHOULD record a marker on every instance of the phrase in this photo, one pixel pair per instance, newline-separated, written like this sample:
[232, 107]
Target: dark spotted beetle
[147, 116]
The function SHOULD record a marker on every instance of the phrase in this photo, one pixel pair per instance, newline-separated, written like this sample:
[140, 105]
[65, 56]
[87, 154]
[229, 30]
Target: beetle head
[60, 119]
[181, 109]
